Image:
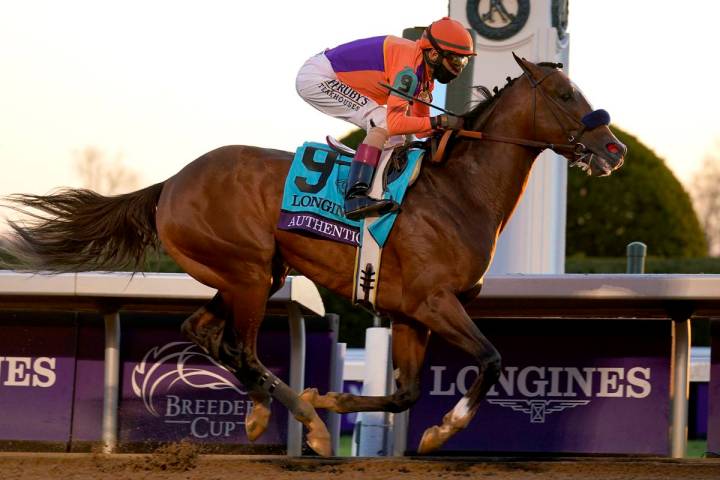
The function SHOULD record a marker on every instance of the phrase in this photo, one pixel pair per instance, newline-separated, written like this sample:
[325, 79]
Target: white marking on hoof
[461, 410]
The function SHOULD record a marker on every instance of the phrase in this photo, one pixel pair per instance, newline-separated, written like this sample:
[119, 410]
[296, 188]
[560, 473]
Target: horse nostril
[615, 149]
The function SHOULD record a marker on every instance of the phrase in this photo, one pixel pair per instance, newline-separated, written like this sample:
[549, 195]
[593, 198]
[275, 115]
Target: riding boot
[357, 202]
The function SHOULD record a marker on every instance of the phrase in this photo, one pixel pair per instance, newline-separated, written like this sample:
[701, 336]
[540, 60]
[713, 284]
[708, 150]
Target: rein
[567, 147]
[579, 150]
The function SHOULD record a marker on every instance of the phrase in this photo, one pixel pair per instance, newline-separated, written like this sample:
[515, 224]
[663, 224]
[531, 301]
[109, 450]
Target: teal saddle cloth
[314, 195]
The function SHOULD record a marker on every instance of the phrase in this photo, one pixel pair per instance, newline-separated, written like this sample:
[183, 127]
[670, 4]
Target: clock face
[498, 19]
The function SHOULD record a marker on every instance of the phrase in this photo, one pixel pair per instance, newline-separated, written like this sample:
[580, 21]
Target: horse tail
[76, 230]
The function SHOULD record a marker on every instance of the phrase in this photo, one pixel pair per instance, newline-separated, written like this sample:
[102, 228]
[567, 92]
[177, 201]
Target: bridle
[574, 134]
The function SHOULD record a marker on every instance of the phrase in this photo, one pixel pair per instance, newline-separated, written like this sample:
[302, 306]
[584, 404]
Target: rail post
[679, 385]
[680, 368]
[371, 435]
[297, 374]
[111, 382]
[636, 252]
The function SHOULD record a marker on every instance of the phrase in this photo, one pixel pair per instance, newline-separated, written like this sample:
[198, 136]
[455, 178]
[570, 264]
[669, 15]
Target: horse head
[562, 116]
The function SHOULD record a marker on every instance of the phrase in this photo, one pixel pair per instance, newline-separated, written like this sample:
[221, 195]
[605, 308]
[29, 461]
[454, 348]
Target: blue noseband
[596, 118]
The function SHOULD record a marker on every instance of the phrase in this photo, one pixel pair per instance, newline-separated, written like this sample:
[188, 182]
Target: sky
[158, 83]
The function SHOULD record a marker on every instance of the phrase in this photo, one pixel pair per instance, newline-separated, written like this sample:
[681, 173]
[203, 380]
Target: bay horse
[217, 219]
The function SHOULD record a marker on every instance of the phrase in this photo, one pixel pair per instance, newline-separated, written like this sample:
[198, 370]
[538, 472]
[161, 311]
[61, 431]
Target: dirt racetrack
[188, 465]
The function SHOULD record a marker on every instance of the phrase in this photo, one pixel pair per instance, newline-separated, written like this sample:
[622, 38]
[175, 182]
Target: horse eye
[566, 97]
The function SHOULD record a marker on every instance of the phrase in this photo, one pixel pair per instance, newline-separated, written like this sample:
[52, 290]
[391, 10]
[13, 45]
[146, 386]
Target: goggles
[457, 62]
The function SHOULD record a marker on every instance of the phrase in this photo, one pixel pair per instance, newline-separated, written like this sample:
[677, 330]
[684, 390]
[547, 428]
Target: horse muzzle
[602, 153]
[600, 162]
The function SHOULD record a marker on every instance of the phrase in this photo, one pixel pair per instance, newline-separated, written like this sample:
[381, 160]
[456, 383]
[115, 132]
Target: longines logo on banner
[164, 368]
[540, 391]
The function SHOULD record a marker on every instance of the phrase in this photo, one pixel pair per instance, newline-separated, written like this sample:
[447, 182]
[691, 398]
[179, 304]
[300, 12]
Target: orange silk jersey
[364, 64]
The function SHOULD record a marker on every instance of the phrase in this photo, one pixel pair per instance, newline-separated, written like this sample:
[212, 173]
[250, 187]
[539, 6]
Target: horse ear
[527, 67]
[521, 62]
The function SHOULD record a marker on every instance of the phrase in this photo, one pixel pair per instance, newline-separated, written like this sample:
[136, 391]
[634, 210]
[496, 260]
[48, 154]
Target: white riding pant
[318, 85]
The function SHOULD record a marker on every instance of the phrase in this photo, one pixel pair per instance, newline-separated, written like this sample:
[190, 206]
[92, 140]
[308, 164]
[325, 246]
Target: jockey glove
[446, 122]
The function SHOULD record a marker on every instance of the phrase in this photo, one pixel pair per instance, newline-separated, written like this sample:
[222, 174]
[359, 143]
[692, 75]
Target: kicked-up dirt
[183, 462]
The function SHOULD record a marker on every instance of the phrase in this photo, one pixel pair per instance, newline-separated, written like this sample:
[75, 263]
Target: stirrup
[360, 207]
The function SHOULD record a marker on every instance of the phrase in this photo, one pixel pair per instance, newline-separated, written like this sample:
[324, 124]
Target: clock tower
[534, 239]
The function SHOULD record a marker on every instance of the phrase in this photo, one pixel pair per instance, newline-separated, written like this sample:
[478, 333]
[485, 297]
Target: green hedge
[641, 201]
[652, 265]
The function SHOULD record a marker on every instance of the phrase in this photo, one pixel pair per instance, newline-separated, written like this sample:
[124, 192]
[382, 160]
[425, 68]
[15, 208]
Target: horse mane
[472, 116]
[489, 99]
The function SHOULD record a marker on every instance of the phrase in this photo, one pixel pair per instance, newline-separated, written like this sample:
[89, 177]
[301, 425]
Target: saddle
[398, 159]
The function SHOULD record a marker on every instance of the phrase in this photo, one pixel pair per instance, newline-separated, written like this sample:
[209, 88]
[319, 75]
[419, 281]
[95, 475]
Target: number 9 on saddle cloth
[315, 188]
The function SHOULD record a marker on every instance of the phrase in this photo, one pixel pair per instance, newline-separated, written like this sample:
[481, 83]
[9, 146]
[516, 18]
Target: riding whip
[415, 99]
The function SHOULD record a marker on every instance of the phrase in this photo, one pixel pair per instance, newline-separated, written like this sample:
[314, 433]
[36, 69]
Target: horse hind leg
[206, 326]
[257, 420]
[248, 310]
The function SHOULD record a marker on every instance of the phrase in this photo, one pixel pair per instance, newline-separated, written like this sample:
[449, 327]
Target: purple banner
[713, 428]
[578, 386]
[37, 370]
[171, 390]
[315, 224]
[698, 410]
[87, 418]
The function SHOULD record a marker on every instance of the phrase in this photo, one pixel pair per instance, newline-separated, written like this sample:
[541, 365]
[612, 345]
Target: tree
[642, 201]
[107, 178]
[706, 195]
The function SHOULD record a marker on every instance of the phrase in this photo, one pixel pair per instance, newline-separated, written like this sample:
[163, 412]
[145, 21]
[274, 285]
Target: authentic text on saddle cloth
[314, 196]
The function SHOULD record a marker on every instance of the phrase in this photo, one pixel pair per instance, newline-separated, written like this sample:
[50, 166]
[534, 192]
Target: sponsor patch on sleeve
[405, 81]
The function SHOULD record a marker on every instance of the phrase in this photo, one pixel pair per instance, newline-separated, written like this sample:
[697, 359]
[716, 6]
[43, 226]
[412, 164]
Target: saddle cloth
[315, 190]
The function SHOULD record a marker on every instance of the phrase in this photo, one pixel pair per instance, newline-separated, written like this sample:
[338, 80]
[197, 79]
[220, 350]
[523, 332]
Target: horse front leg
[409, 342]
[443, 313]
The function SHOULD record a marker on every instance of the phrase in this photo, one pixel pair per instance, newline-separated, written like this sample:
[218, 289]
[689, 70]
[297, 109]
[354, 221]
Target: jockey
[344, 82]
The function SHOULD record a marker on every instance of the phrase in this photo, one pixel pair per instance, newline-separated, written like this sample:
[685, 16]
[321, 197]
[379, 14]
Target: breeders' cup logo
[540, 391]
[167, 369]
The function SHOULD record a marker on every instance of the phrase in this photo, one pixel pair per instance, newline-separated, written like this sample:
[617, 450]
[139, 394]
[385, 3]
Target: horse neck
[496, 173]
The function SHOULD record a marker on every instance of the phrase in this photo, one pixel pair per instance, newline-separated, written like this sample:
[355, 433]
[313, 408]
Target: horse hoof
[310, 395]
[320, 445]
[318, 438]
[257, 422]
[431, 440]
